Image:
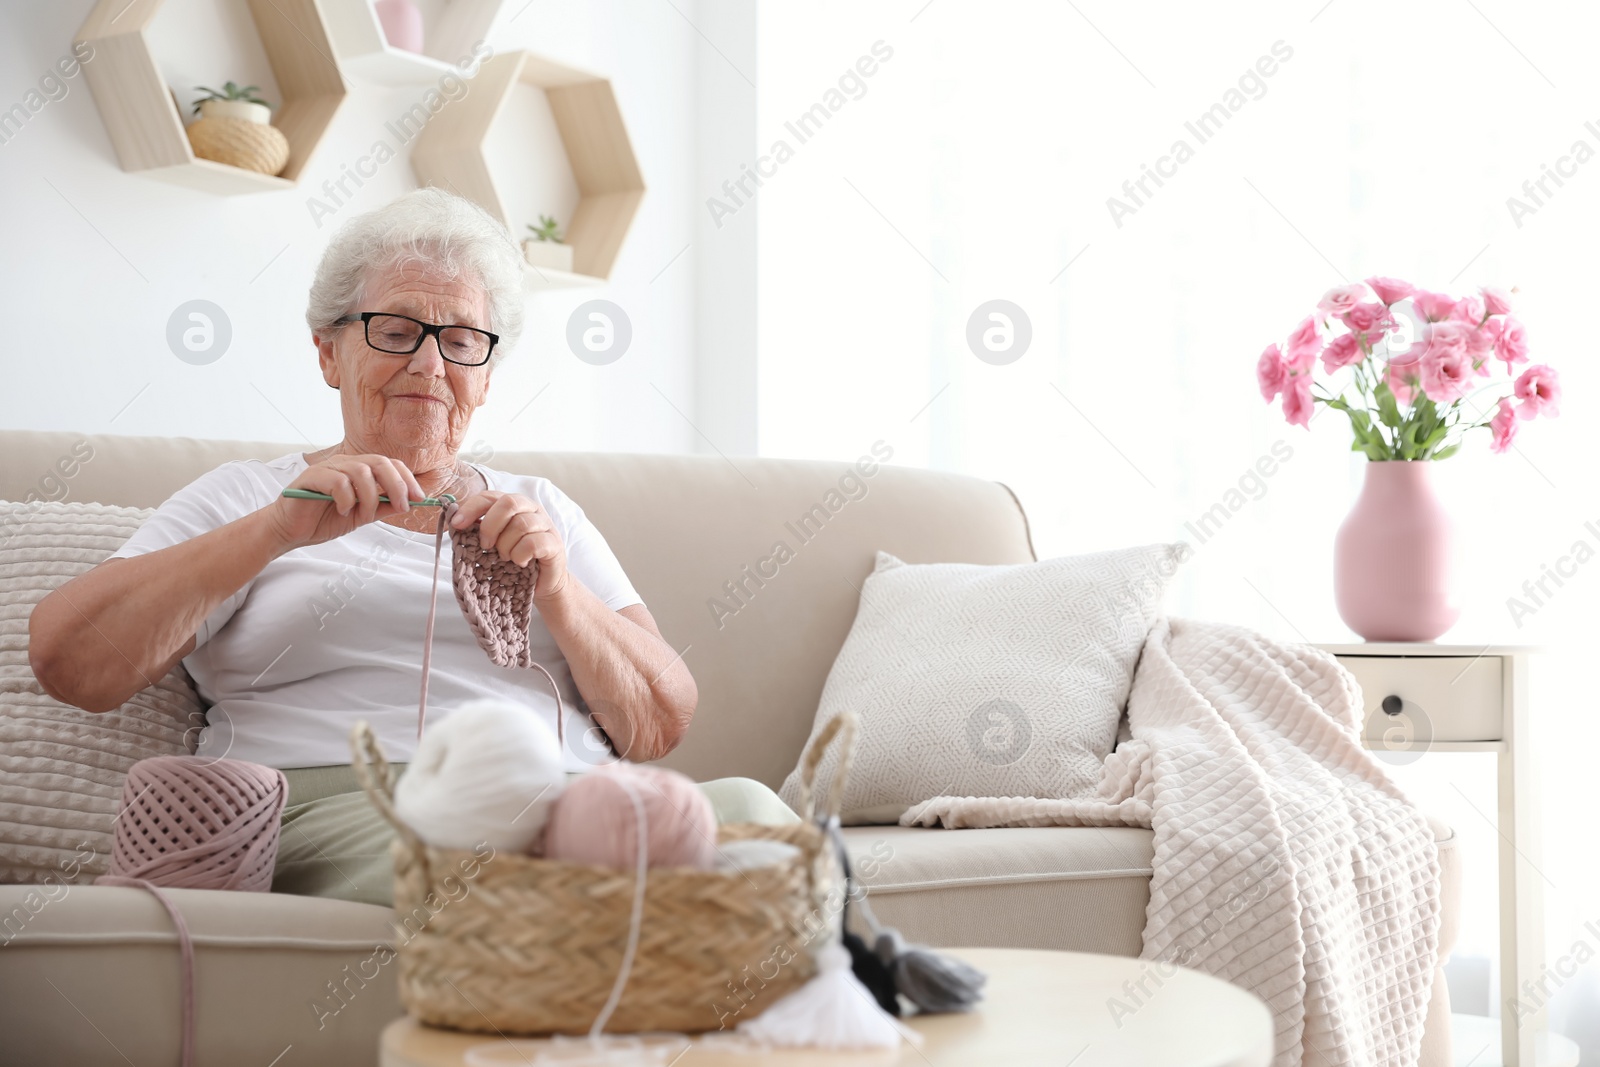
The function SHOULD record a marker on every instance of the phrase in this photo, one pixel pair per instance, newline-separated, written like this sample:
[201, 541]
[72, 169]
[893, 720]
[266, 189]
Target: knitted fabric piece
[496, 596]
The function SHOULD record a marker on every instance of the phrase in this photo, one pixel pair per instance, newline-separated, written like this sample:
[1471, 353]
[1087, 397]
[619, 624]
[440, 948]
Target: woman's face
[415, 408]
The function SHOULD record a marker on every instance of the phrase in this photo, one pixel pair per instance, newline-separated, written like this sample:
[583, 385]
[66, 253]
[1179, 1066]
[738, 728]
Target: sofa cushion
[1074, 888]
[61, 768]
[988, 681]
[271, 970]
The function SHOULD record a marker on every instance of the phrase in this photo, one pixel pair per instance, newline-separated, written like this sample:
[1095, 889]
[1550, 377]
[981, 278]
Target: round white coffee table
[1040, 1008]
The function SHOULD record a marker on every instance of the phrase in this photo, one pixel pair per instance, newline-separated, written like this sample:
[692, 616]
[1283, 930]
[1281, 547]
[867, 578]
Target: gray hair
[447, 233]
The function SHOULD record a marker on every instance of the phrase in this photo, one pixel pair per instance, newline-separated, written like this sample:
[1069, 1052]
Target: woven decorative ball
[191, 822]
[495, 595]
[240, 143]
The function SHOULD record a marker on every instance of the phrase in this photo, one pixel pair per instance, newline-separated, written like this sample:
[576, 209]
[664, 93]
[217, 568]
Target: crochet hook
[427, 502]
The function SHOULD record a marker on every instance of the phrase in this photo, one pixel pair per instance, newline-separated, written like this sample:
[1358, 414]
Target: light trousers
[333, 842]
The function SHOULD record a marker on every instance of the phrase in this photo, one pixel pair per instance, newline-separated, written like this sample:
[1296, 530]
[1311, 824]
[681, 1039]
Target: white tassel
[833, 1011]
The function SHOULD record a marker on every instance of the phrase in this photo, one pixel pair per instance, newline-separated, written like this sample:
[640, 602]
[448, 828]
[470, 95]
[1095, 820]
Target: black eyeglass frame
[429, 329]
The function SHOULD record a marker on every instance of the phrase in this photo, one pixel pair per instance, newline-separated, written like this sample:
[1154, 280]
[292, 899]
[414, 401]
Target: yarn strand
[185, 953]
[635, 918]
[446, 513]
[508, 649]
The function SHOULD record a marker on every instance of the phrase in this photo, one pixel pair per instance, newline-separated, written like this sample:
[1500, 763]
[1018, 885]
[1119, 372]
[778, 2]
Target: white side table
[1469, 698]
[1040, 1009]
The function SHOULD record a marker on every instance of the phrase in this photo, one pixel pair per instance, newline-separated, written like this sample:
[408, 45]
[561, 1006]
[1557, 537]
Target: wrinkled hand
[355, 483]
[520, 531]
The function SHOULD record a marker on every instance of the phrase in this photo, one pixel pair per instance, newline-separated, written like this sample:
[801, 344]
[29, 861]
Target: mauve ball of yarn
[486, 774]
[192, 822]
[595, 823]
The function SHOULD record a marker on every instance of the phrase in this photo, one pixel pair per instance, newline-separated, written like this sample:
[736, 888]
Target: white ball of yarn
[487, 773]
[753, 853]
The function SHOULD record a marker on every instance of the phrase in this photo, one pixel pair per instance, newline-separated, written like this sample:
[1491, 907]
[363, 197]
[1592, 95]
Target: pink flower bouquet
[1415, 361]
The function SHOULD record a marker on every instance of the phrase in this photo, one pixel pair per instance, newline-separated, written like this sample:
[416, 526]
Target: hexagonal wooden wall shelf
[142, 118]
[449, 153]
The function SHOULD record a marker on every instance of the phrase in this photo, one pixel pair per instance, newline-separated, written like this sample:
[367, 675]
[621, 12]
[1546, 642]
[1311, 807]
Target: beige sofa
[93, 978]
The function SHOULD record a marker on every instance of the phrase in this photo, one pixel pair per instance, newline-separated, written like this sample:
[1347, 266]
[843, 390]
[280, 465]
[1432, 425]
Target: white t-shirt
[332, 633]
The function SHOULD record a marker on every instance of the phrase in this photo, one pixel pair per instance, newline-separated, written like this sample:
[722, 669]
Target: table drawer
[1441, 698]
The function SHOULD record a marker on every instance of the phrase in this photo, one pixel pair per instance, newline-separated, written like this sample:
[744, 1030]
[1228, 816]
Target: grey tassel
[932, 982]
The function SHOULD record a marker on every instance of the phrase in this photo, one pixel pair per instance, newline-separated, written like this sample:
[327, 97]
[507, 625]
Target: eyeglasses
[402, 335]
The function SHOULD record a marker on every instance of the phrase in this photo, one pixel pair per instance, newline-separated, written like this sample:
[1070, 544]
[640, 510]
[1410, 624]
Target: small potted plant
[234, 127]
[233, 102]
[545, 248]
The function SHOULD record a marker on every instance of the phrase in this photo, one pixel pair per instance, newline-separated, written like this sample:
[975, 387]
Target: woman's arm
[107, 634]
[120, 627]
[638, 689]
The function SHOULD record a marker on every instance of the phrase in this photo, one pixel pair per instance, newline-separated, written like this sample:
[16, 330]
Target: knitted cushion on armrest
[62, 768]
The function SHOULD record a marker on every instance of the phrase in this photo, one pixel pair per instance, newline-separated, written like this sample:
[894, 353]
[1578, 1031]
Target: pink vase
[402, 23]
[1392, 565]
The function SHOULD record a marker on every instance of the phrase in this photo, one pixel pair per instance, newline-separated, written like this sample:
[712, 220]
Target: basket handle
[842, 727]
[377, 779]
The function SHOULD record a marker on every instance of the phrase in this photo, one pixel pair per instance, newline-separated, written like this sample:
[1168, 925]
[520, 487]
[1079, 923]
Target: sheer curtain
[1325, 142]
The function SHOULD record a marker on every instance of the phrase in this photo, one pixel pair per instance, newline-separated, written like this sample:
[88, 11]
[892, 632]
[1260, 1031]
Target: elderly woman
[298, 617]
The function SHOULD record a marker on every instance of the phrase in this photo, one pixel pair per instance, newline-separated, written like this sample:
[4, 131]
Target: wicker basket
[499, 942]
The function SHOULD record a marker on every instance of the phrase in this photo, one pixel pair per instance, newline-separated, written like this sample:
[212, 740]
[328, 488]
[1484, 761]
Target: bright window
[975, 163]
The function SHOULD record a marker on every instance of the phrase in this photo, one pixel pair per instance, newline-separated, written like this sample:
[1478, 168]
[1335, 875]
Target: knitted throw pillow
[62, 769]
[988, 681]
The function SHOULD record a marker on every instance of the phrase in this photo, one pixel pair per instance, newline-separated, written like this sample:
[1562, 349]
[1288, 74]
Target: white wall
[94, 260]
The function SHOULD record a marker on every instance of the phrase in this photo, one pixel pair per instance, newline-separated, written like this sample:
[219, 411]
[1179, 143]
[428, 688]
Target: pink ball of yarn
[594, 821]
[190, 822]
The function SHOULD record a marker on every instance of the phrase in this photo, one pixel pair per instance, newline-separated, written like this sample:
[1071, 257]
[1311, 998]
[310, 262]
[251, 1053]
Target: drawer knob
[1392, 704]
